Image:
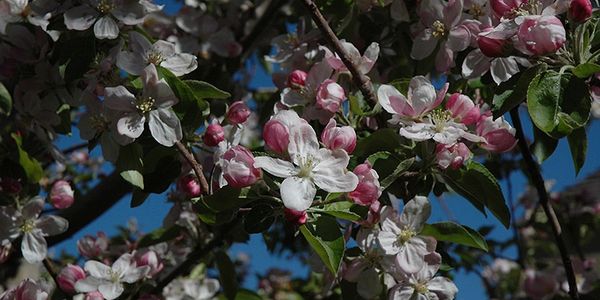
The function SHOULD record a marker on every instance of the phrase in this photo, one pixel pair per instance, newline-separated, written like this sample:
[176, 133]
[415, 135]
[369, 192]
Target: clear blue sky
[151, 213]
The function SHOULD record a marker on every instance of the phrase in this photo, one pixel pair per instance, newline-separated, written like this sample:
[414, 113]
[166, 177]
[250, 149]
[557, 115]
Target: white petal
[291, 97]
[297, 193]
[411, 257]
[106, 28]
[166, 49]
[138, 43]
[443, 286]
[132, 14]
[388, 242]
[33, 208]
[111, 290]
[97, 269]
[162, 93]
[475, 64]
[423, 45]
[88, 284]
[131, 125]
[52, 225]
[164, 126]
[123, 264]
[399, 12]
[119, 98]
[403, 292]
[418, 132]
[275, 166]
[415, 213]
[503, 68]
[421, 95]
[369, 286]
[134, 274]
[303, 143]
[391, 99]
[181, 63]
[131, 62]
[34, 247]
[80, 17]
[330, 173]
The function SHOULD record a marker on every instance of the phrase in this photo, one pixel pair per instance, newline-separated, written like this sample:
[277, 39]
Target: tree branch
[538, 181]
[90, 206]
[189, 157]
[363, 82]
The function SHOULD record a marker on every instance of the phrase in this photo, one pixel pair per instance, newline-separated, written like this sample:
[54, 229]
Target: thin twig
[189, 157]
[538, 181]
[517, 236]
[363, 82]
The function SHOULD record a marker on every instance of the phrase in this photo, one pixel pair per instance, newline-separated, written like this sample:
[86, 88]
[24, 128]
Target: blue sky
[149, 215]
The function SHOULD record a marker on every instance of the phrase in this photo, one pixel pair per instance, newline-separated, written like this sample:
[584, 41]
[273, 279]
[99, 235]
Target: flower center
[306, 167]
[114, 276]
[476, 10]
[405, 235]
[440, 118]
[105, 6]
[28, 226]
[144, 104]
[439, 29]
[154, 58]
[421, 288]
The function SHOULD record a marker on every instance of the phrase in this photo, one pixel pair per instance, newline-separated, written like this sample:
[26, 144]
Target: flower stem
[360, 79]
[538, 181]
[189, 157]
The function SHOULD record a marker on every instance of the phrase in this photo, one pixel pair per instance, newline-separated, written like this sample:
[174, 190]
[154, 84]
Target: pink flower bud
[68, 276]
[151, 259]
[541, 35]
[463, 108]
[213, 135]
[61, 194]
[10, 185]
[505, 8]
[5, 252]
[238, 167]
[189, 185]
[297, 79]
[93, 247]
[276, 136]
[238, 112]
[294, 216]
[453, 156]
[580, 10]
[368, 189]
[493, 46]
[94, 296]
[330, 96]
[499, 135]
[539, 285]
[339, 137]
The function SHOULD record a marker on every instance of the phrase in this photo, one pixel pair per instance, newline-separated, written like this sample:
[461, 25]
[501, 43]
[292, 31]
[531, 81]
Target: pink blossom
[238, 112]
[297, 79]
[539, 35]
[463, 108]
[189, 185]
[213, 135]
[580, 10]
[368, 189]
[365, 62]
[492, 45]
[504, 8]
[94, 296]
[339, 137]
[330, 96]
[26, 290]
[420, 99]
[498, 134]
[276, 131]
[453, 156]
[152, 260]
[61, 194]
[68, 276]
[238, 167]
[92, 247]
[294, 216]
[539, 285]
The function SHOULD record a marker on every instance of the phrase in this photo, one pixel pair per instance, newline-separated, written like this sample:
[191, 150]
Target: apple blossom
[297, 79]
[580, 10]
[27, 223]
[26, 290]
[364, 269]
[330, 96]
[108, 280]
[154, 105]
[93, 247]
[188, 184]
[152, 260]
[498, 134]
[161, 53]
[61, 194]
[501, 68]
[420, 100]
[213, 135]
[238, 167]
[399, 235]
[276, 131]
[492, 45]
[95, 295]
[506, 8]
[365, 62]
[294, 216]
[184, 289]
[68, 276]
[462, 108]
[308, 167]
[540, 35]
[338, 137]
[539, 285]
[453, 156]
[368, 189]
[238, 112]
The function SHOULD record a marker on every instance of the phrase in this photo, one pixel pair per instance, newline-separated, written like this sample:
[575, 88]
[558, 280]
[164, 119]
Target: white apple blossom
[308, 168]
[26, 222]
[108, 280]
[28, 289]
[161, 53]
[501, 68]
[421, 98]
[364, 63]
[154, 105]
[191, 289]
[424, 285]
[440, 127]
[399, 234]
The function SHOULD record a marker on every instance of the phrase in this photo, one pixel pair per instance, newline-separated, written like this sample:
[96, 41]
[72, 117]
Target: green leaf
[344, 210]
[543, 98]
[325, 237]
[244, 294]
[511, 98]
[586, 70]
[159, 235]
[227, 274]
[372, 159]
[82, 56]
[190, 109]
[138, 197]
[543, 145]
[578, 146]
[161, 167]
[333, 196]
[130, 164]
[33, 169]
[5, 100]
[480, 187]
[226, 198]
[455, 233]
[205, 90]
[386, 139]
[403, 166]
